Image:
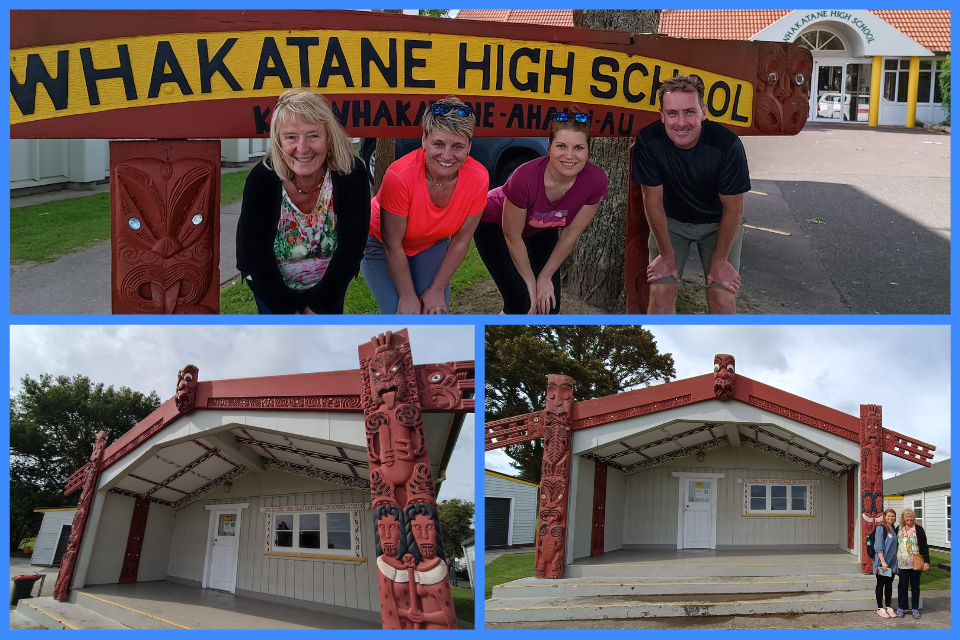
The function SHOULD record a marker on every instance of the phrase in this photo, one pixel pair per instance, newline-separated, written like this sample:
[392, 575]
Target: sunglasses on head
[443, 109]
[563, 116]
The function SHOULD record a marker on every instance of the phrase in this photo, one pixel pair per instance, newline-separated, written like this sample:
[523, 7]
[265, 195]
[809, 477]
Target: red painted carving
[637, 252]
[165, 226]
[133, 444]
[802, 417]
[871, 476]
[623, 414]
[554, 478]
[299, 403]
[90, 474]
[186, 397]
[439, 386]
[599, 507]
[782, 101]
[851, 503]
[911, 449]
[138, 526]
[724, 376]
[411, 563]
[502, 433]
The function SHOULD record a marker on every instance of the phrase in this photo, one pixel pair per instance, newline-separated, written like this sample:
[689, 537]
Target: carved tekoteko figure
[69, 562]
[165, 227]
[871, 476]
[186, 397]
[724, 375]
[411, 565]
[554, 478]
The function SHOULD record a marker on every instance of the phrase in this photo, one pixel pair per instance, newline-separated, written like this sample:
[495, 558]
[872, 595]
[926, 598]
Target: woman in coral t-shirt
[424, 215]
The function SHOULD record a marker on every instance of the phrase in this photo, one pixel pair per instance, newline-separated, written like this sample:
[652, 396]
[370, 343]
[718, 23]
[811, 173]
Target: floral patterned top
[305, 243]
[907, 546]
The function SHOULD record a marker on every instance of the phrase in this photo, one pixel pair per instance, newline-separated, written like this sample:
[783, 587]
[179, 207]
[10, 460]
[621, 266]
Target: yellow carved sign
[102, 75]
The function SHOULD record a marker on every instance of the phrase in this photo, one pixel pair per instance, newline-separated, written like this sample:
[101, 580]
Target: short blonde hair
[313, 108]
[905, 512]
[449, 122]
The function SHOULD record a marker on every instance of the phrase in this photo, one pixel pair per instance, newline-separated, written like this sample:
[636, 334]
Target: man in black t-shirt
[693, 174]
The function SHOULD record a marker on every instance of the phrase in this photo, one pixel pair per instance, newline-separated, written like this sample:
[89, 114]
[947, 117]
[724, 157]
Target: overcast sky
[906, 369]
[147, 358]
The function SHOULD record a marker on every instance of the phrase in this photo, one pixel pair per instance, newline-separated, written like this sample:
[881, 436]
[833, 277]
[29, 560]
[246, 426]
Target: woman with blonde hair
[305, 211]
[425, 213]
[884, 561]
[913, 558]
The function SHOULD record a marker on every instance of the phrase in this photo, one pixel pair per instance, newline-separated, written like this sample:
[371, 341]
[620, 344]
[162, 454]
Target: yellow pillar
[912, 85]
[875, 82]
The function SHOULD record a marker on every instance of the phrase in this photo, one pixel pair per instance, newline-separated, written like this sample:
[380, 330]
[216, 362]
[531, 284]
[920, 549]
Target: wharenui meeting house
[716, 484]
[316, 490]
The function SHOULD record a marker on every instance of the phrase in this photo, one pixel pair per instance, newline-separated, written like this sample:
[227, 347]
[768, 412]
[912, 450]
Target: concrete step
[51, 614]
[722, 567]
[19, 622]
[680, 585]
[127, 616]
[622, 607]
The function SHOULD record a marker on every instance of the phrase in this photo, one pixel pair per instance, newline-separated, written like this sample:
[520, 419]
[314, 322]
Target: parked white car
[829, 106]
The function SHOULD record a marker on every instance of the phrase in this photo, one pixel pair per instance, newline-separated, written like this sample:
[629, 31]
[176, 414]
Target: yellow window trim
[304, 555]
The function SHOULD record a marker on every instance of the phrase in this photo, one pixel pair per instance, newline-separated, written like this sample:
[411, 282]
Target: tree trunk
[386, 149]
[595, 267]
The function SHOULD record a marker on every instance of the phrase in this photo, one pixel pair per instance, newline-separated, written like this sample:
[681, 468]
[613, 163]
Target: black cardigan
[257, 229]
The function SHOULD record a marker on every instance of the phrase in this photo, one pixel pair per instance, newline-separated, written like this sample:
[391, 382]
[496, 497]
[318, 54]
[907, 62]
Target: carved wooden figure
[165, 226]
[69, 562]
[411, 564]
[186, 397]
[871, 476]
[554, 478]
[724, 375]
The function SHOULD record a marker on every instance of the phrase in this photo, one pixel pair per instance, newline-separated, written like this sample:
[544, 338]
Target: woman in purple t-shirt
[531, 223]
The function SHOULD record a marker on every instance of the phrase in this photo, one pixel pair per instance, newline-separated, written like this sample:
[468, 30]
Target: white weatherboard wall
[613, 520]
[155, 554]
[934, 514]
[524, 505]
[580, 513]
[110, 540]
[335, 583]
[650, 502]
[49, 535]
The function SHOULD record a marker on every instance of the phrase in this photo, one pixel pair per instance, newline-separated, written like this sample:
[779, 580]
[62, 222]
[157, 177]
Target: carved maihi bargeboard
[412, 570]
[623, 414]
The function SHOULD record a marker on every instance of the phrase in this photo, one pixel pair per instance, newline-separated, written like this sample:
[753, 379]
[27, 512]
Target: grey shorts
[683, 234]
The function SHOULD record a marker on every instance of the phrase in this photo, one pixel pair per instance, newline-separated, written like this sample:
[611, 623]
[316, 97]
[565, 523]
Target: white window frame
[807, 512]
[934, 80]
[918, 517]
[322, 510]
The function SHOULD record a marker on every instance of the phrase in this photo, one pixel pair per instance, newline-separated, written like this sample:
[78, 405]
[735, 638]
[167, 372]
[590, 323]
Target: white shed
[511, 510]
[927, 492]
[53, 535]
[469, 552]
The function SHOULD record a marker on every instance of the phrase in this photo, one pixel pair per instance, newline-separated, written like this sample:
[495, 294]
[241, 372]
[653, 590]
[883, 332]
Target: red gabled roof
[928, 27]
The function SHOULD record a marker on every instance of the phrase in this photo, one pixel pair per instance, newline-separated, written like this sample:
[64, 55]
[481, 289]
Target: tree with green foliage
[53, 425]
[945, 88]
[436, 13]
[603, 361]
[456, 525]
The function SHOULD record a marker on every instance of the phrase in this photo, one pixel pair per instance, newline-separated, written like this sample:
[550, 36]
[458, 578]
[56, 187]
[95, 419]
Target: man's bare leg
[663, 298]
[718, 300]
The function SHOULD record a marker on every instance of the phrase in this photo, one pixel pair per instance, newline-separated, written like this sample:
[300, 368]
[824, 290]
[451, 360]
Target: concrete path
[847, 219]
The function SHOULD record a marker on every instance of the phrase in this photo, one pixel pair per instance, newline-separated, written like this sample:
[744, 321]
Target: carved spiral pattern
[409, 415]
[375, 421]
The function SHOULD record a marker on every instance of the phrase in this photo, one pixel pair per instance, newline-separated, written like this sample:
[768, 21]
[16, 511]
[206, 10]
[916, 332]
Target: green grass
[935, 579]
[463, 603]
[238, 299]
[507, 568]
[44, 232]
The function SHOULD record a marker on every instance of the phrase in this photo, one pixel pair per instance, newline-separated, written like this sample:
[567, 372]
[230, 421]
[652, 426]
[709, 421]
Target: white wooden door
[226, 547]
[697, 513]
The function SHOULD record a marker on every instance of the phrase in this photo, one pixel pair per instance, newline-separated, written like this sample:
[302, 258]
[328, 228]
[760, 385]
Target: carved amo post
[411, 564]
[554, 478]
[90, 474]
[871, 476]
[165, 226]
[597, 538]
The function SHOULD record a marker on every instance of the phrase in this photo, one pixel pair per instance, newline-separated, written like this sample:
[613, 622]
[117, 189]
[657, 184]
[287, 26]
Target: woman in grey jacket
[885, 561]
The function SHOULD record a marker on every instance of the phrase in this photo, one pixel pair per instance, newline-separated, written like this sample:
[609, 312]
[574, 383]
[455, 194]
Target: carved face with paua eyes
[724, 375]
[186, 396]
[386, 374]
